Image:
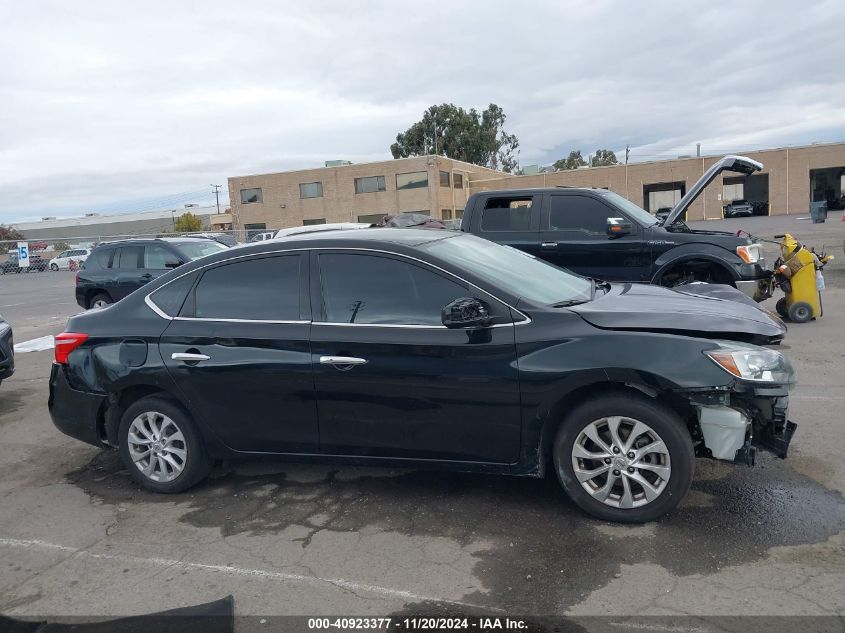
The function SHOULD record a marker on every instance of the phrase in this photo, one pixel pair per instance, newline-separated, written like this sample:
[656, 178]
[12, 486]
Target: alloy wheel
[157, 446]
[100, 303]
[621, 462]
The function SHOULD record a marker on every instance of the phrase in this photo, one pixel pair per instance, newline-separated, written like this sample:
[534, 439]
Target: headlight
[750, 362]
[750, 253]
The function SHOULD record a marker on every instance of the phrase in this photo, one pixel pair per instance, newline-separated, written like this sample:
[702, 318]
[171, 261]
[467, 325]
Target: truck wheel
[780, 306]
[624, 458]
[800, 312]
[160, 446]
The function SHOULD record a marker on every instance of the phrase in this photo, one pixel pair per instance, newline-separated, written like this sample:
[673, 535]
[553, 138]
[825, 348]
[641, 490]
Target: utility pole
[627, 152]
[217, 195]
[435, 133]
[698, 150]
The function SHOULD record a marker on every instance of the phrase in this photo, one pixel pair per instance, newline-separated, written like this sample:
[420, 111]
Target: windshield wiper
[569, 302]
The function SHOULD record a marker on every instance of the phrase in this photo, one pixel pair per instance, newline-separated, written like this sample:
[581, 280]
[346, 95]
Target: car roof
[153, 240]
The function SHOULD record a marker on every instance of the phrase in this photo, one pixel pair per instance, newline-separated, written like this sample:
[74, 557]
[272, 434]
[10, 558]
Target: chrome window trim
[151, 304]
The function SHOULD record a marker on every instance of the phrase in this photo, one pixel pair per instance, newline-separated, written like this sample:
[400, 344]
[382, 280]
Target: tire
[54, 267]
[800, 312]
[658, 423]
[100, 300]
[181, 463]
[780, 306]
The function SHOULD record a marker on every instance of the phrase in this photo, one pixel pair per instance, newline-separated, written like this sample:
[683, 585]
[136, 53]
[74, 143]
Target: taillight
[65, 343]
[76, 279]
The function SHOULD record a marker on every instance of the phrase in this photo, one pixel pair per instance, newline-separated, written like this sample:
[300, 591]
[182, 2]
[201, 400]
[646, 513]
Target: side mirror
[616, 227]
[466, 312]
[172, 263]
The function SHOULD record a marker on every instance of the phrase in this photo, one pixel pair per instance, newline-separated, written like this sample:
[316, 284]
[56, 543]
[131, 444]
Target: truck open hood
[643, 307]
[739, 164]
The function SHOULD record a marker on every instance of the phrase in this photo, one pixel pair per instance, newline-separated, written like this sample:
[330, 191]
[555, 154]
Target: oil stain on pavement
[547, 555]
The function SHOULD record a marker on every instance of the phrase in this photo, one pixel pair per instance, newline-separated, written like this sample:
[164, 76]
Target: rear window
[103, 257]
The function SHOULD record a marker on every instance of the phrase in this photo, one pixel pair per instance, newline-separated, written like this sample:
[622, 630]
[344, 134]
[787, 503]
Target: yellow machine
[798, 273]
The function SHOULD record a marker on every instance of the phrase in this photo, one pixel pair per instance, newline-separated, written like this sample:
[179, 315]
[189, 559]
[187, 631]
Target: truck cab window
[507, 214]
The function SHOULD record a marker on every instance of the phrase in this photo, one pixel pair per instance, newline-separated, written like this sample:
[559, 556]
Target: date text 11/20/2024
[418, 623]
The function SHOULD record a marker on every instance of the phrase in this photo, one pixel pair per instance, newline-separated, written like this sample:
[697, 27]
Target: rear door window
[260, 289]
[509, 214]
[128, 257]
[157, 257]
[105, 256]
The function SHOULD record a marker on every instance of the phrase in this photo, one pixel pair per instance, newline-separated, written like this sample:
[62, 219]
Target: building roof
[98, 219]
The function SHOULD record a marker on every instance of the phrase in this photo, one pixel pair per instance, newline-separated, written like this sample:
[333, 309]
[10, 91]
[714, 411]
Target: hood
[645, 307]
[738, 164]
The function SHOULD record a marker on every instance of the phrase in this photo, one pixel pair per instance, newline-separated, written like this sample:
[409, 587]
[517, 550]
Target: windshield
[638, 213]
[199, 248]
[518, 273]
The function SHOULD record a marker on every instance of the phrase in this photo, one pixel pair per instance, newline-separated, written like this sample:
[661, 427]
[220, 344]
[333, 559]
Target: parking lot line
[35, 544]
[35, 345]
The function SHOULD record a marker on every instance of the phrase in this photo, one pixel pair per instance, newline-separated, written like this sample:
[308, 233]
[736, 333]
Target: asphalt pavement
[78, 537]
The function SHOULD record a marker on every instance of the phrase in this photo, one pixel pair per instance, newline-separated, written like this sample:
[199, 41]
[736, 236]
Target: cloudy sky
[118, 106]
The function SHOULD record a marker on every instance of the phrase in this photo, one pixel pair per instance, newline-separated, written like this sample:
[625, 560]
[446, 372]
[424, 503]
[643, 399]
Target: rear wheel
[161, 447]
[624, 458]
[800, 312]
[99, 300]
[54, 267]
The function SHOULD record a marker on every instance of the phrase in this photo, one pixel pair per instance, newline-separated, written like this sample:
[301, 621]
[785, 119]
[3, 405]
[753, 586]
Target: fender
[719, 256]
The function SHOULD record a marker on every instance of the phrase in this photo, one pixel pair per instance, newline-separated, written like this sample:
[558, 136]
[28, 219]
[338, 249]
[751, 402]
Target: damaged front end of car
[730, 422]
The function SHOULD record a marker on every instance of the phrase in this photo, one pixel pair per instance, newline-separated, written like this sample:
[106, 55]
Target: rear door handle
[187, 357]
[342, 363]
[548, 246]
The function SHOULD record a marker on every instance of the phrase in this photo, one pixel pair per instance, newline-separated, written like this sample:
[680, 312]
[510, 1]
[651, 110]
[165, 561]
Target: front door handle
[187, 357]
[342, 363]
[548, 246]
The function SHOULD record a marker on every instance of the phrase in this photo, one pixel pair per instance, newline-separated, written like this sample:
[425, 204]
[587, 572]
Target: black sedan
[427, 349]
[7, 350]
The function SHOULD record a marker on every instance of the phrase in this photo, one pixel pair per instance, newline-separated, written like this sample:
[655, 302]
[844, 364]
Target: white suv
[63, 259]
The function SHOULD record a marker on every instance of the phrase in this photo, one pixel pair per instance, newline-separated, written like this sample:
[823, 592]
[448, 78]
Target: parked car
[316, 228]
[115, 269]
[7, 350]
[598, 233]
[63, 259]
[12, 265]
[662, 213]
[260, 237]
[738, 209]
[426, 349]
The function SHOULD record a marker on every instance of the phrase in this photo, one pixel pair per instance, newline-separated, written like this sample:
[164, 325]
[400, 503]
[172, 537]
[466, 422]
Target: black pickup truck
[600, 234]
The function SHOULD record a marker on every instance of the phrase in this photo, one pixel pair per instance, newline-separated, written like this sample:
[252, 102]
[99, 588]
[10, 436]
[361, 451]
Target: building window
[311, 190]
[459, 214]
[372, 218]
[446, 214]
[314, 221]
[370, 184]
[251, 195]
[414, 180]
[444, 179]
[459, 181]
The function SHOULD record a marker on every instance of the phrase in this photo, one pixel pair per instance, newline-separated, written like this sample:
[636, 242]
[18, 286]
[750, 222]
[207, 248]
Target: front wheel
[624, 458]
[161, 447]
[54, 267]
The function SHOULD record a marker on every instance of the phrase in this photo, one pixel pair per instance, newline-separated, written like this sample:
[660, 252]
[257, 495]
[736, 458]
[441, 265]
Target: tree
[470, 136]
[61, 246]
[603, 158]
[9, 233]
[573, 161]
[188, 223]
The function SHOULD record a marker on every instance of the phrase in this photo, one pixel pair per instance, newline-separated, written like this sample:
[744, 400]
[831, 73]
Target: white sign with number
[23, 254]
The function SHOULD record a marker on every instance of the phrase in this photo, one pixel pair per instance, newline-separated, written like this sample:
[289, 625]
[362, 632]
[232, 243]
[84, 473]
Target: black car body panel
[482, 399]
[7, 350]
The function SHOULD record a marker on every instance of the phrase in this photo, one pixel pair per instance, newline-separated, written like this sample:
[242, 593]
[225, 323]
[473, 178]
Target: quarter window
[104, 257]
[414, 180]
[579, 213]
[249, 196]
[507, 214]
[370, 184]
[311, 190]
[170, 297]
[380, 290]
[264, 289]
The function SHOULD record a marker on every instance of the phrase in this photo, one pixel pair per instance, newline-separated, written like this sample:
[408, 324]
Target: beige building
[790, 179]
[345, 192]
